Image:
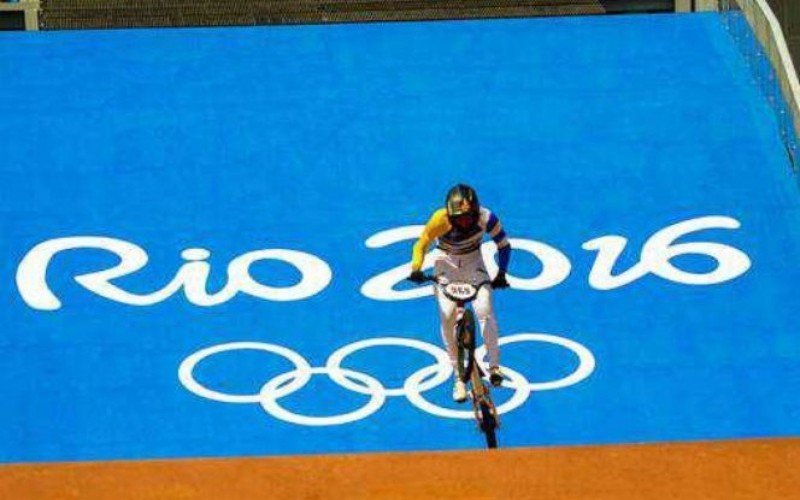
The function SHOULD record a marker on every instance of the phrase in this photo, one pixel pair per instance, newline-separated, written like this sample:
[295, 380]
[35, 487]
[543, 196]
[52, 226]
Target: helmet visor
[458, 205]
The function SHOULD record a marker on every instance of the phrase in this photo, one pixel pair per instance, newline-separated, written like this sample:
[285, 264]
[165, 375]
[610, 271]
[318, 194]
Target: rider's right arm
[436, 226]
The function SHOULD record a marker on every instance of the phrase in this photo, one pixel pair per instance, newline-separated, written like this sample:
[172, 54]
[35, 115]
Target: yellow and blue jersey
[455, 241]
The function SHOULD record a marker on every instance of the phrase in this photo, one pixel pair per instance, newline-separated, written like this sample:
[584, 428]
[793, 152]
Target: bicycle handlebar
[430, 278]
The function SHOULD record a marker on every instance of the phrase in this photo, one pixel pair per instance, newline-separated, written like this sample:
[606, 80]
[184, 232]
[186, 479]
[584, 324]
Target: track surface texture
[758, 469]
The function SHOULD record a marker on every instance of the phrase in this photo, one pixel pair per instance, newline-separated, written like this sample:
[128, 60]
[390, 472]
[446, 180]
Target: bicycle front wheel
[488, 425]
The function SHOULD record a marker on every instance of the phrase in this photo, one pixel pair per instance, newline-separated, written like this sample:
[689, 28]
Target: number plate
[460, 291]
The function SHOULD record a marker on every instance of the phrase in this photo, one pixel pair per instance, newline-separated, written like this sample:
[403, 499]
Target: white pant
[469, 268]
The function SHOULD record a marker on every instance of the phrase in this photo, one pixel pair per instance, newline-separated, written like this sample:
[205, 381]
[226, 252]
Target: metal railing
[757, 33]
[86, 14]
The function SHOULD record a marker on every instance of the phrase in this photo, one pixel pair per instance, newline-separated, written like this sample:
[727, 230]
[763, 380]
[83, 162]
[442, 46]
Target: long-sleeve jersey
[455, 241]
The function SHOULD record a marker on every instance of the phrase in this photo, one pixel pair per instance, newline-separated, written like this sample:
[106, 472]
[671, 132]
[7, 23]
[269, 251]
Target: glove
[500, 281]
[416, 277]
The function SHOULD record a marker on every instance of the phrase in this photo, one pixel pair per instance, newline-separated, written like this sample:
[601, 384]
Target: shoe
[459, 391]
[496, 376]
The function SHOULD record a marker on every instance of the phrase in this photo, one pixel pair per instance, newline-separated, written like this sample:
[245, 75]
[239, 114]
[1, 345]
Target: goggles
[463, 220]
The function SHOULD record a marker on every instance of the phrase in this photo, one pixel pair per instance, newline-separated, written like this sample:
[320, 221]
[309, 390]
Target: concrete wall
[788, 12]
[22, 15]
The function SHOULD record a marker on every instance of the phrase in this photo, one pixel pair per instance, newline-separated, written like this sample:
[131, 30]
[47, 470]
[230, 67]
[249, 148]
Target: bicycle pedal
[496, 379]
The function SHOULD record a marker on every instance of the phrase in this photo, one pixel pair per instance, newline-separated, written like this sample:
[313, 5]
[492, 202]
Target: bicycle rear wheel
[488, 425]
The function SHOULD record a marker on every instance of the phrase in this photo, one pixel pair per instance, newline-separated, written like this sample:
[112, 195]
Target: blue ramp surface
[205, 231]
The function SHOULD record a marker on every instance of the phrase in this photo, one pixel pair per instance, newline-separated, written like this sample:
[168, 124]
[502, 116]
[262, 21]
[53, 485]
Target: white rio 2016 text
[656, 256]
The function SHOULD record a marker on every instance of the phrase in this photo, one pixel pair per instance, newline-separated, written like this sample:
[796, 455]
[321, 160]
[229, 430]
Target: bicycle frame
[472, 373]
[484, 408]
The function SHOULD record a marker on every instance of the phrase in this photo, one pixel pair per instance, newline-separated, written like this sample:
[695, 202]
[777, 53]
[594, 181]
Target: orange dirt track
[767, 469]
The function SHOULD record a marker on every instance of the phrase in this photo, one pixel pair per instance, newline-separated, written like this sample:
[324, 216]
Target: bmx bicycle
[469, 370]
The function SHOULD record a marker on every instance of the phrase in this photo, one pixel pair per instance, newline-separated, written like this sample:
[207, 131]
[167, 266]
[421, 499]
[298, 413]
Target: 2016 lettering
[656, 258]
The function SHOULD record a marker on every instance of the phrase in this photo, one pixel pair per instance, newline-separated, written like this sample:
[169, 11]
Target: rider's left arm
[495, 229]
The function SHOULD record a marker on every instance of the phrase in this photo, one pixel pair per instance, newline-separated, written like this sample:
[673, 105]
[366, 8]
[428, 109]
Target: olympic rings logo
[414, 386]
